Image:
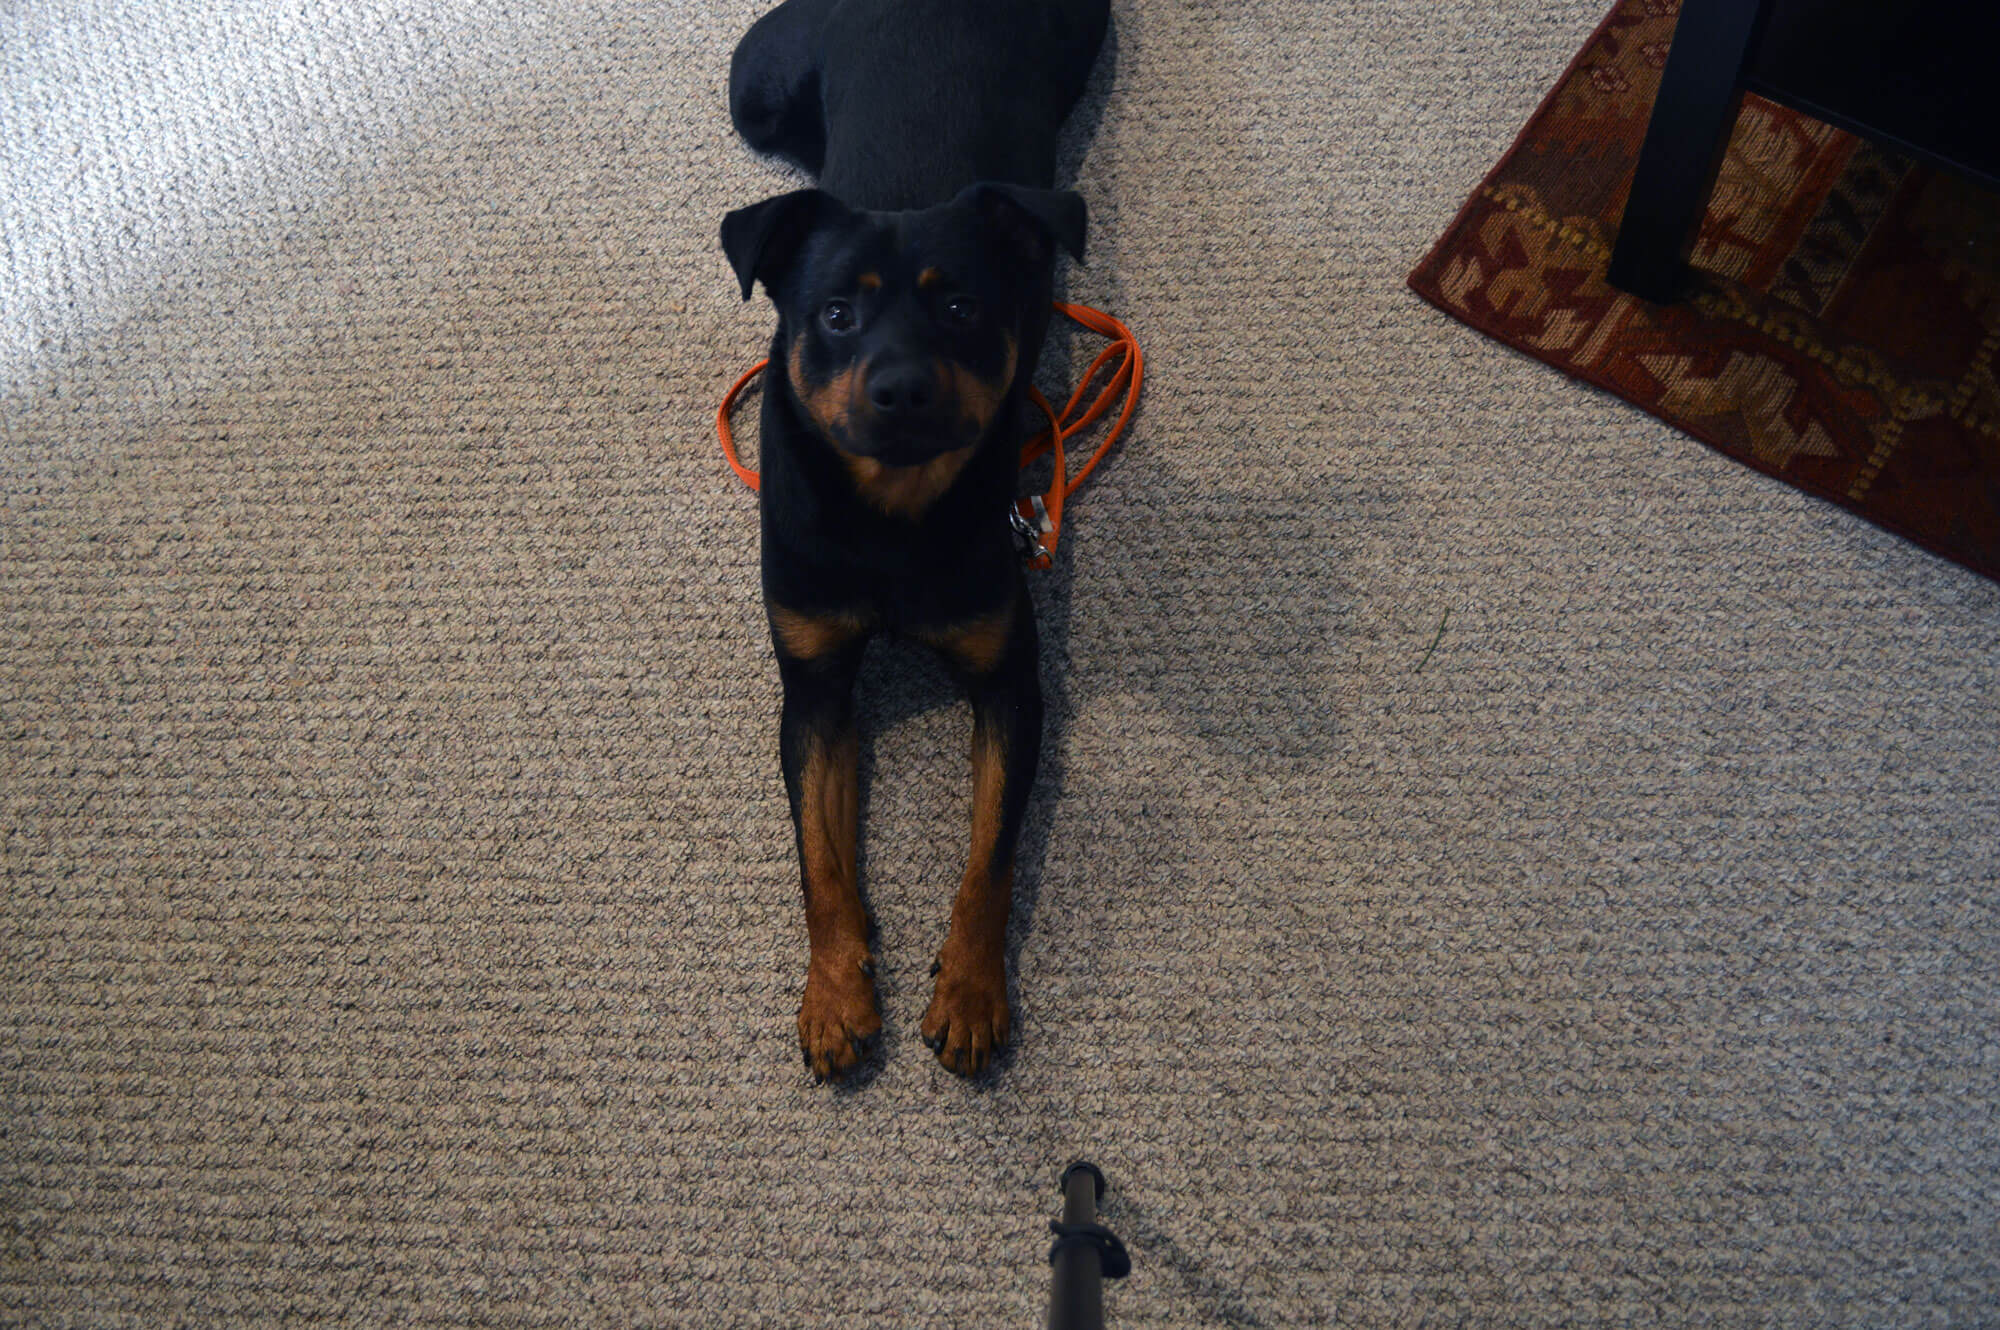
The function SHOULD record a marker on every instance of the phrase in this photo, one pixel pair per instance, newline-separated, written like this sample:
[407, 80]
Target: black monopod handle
[1084, 1254]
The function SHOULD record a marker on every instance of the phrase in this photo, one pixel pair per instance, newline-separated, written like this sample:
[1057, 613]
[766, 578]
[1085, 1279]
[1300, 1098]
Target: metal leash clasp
[1028, 531]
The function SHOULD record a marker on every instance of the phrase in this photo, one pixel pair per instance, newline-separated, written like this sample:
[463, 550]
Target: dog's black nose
[902, 389]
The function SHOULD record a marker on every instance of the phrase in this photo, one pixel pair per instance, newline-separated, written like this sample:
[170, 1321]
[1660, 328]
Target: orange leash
[1037, 520]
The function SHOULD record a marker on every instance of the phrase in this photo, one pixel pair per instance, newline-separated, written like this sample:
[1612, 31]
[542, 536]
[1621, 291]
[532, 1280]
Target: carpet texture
[1497, 861]
[1845, 310]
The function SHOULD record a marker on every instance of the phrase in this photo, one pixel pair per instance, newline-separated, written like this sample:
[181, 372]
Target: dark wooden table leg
[1692, 117]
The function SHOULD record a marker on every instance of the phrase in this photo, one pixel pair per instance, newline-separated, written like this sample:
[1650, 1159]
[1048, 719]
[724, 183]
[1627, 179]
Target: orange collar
[1037, 519]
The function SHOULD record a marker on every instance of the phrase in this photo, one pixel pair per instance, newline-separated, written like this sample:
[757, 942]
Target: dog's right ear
[763, 239]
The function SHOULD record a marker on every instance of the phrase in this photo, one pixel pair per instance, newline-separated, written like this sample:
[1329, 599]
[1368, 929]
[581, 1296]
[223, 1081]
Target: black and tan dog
[912, 290]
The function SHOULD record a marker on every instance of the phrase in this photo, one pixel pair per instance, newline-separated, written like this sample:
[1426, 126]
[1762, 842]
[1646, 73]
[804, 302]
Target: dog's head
[901, 333]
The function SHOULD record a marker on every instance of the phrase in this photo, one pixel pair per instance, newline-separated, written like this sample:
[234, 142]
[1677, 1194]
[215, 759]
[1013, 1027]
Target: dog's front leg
[818, 659]
[997, 658]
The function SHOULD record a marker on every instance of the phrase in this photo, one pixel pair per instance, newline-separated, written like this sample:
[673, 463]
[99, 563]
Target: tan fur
[810, 636]
[968, 1020]
[980, 398]
[830, 404]
[838, 1012]
[828, 814]
[976, 646]
[906, 491]
[989, 782]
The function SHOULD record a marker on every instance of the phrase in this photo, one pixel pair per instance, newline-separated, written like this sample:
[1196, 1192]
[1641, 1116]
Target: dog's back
[899, 104]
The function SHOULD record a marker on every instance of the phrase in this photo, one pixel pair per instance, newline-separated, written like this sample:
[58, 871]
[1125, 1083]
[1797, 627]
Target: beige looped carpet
[1498, 863]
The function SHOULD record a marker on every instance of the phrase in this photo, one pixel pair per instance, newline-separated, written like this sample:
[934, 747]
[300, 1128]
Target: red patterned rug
[1843, 329]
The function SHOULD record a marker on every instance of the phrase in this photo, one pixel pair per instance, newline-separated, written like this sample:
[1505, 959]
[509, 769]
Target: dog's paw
[838, 1018]
[968, 1021]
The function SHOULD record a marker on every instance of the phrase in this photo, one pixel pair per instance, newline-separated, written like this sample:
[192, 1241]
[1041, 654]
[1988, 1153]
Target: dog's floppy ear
[1057, 216]
[762, 239]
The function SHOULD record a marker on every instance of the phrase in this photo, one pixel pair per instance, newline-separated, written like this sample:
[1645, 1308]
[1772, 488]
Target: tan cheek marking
[980, 398]
[810, 636]
[830, 404]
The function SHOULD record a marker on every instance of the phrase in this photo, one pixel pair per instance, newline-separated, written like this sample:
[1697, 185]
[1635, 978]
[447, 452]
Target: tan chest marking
[906, 491]
[977, 644]
[810, 636]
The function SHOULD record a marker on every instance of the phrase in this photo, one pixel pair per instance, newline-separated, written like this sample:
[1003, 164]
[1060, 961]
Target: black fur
[898, 104]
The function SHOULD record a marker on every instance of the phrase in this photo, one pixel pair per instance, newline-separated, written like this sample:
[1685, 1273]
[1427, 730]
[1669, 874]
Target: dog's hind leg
[774, 93]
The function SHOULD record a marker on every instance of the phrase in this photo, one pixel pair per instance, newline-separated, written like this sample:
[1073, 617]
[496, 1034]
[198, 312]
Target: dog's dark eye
[962, 309]
[838, 316]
